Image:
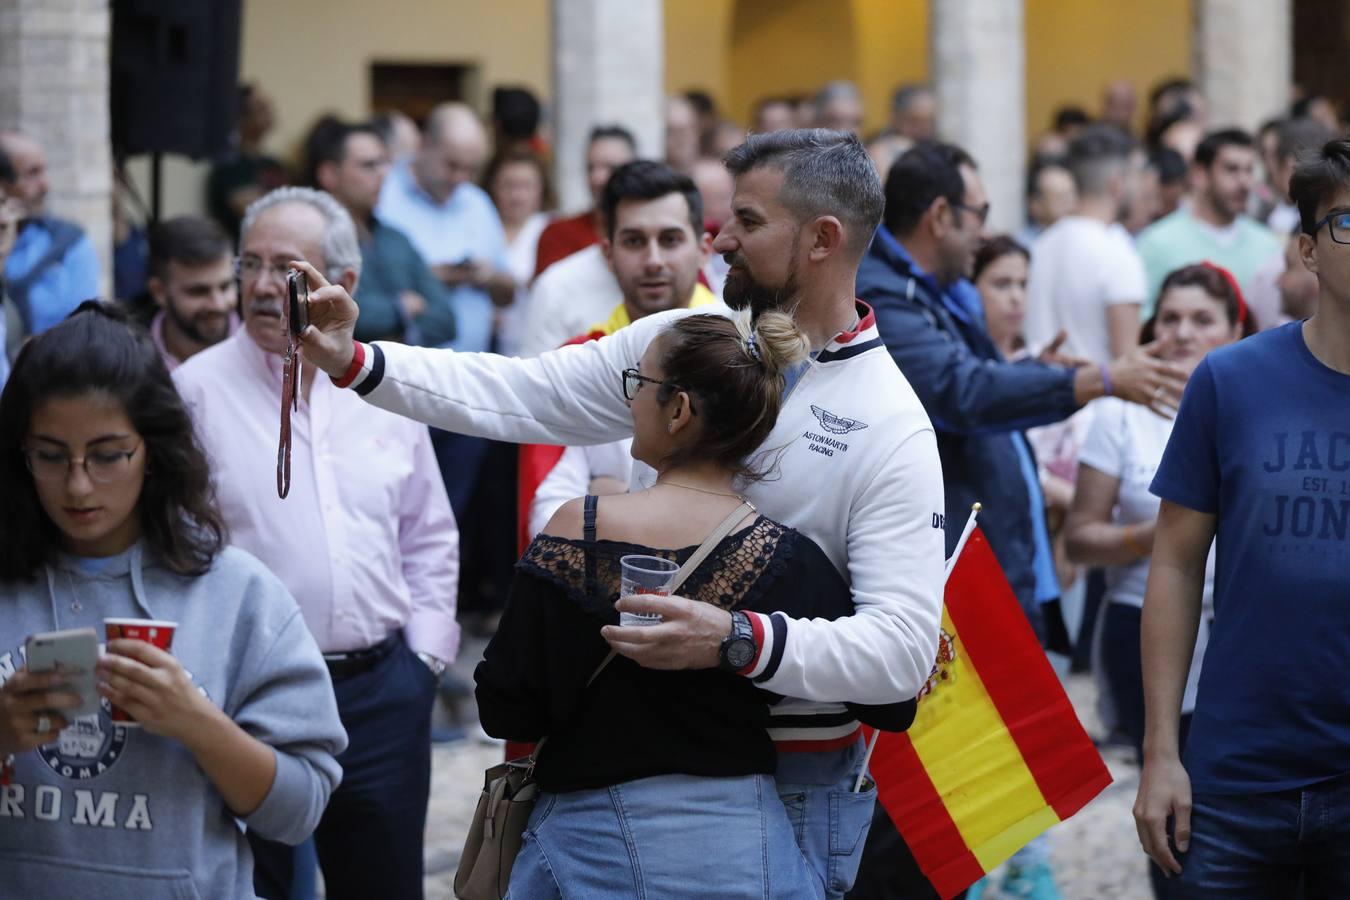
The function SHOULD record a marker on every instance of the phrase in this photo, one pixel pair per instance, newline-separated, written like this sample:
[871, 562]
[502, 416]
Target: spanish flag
[996, 754]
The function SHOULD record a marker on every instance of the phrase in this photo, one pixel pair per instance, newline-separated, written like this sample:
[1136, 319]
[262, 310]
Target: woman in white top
[1111, 523]
[517, 181]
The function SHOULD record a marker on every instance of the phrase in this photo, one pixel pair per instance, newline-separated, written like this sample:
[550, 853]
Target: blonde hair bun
[776, 337]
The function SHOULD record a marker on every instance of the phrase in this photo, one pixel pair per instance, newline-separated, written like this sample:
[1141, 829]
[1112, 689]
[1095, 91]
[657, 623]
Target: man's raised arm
[568, 396]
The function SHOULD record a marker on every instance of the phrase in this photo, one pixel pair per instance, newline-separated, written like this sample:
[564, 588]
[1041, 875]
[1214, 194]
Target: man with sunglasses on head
[1259, 461]
[365, 541]
[853, 457]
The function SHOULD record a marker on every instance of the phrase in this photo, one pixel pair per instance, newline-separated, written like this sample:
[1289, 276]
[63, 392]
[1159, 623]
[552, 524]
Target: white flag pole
[951, 564]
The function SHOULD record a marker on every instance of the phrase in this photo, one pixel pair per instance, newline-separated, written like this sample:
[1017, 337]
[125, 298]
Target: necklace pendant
[76, 606]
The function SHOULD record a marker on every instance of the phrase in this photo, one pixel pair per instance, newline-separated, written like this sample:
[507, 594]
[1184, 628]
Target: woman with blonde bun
[660, 783]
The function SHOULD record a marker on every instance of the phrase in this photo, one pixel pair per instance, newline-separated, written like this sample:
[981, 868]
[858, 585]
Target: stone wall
[54, 86]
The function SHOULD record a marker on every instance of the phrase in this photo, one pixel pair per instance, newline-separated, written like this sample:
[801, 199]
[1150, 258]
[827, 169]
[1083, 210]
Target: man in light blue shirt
[452, 222]
[53, 267]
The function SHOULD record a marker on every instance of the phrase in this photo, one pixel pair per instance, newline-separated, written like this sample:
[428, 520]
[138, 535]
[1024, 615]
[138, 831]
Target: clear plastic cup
[640, 574]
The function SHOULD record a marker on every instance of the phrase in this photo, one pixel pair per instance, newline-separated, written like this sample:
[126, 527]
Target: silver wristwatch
[435, 664]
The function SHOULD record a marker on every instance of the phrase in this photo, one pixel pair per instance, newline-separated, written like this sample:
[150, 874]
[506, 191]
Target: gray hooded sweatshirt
[115, 812]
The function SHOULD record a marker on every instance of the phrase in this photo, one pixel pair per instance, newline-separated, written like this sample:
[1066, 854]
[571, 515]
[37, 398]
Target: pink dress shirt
[366, 542]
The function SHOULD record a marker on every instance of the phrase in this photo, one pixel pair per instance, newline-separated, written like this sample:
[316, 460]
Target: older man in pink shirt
[365, 541]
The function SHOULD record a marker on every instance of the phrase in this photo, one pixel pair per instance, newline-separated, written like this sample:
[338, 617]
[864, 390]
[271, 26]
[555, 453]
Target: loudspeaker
[175, 73]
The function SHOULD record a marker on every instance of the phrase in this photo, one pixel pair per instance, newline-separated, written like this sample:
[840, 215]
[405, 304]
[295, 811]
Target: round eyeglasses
[102, 466]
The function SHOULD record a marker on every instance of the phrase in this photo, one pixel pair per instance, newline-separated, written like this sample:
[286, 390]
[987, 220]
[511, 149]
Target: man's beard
[741, 290]
[191, 327]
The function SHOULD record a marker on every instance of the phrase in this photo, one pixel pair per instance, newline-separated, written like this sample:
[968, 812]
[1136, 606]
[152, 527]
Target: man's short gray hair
[825, 173]
[341, 251]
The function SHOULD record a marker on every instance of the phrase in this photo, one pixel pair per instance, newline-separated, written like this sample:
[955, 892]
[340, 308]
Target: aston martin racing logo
[836, 424]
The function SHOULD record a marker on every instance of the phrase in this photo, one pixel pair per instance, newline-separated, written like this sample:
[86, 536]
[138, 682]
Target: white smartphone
[76, 648]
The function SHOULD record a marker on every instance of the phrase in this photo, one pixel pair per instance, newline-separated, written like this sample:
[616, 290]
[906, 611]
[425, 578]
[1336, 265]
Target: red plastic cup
[152, 631]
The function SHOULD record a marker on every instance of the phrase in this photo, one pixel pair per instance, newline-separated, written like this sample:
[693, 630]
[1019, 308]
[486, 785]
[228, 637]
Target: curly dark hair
[96, 350]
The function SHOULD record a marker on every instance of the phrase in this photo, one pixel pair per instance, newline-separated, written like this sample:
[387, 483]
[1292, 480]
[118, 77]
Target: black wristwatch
[738, 647]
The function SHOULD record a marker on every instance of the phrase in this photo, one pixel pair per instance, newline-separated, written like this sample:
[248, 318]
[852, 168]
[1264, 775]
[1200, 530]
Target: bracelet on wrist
[1131, 541]
[1108, 389]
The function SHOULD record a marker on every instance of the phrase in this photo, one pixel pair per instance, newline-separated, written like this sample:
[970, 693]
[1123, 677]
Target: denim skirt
[665, 836]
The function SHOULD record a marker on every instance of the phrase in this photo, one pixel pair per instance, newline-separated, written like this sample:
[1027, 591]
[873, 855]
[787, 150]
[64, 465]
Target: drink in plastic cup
[152, 631]
[644, 575]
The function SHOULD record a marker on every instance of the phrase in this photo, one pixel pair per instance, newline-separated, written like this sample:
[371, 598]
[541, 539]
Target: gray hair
[341, 251]
[906, 94]
[825, 173]
[837, 90]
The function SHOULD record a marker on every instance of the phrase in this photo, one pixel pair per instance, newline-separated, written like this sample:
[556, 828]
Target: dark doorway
[1322, 49]
[416, 88]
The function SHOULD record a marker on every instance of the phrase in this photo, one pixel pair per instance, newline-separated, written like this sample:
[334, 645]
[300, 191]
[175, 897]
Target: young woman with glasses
[660, 782]
[110, 514]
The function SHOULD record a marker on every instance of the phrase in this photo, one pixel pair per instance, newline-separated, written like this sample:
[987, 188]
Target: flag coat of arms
[996, 754]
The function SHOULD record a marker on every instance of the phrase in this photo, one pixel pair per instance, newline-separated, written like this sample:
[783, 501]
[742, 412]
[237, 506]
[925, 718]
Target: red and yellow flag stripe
[996, 754]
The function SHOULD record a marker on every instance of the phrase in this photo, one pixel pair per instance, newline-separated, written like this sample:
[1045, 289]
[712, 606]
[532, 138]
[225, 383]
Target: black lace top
[635, 722]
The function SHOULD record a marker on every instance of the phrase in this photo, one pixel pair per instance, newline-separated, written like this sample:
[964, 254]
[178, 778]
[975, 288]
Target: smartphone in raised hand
[74, 650]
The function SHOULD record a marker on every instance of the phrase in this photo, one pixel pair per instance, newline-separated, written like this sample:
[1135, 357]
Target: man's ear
[158, 290]
[940, 217]
[348, 280]
[607, 248]
[1307, 251]
[827, 234]
[705, 248]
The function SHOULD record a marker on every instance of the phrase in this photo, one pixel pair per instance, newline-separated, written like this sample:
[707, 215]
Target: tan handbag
[509, 789]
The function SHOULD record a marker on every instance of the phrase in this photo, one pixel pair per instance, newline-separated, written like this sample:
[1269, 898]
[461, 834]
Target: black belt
[354, 662]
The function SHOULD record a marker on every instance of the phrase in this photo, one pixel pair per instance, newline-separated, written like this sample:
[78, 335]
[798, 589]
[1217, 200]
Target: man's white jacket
[854, 466]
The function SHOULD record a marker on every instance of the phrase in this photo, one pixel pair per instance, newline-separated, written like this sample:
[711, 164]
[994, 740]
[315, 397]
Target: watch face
[740, 652]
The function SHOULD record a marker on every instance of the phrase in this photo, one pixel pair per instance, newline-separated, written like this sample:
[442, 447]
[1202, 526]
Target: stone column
[608, 68]
[977, 62]
[54, 86]
[1244, 59]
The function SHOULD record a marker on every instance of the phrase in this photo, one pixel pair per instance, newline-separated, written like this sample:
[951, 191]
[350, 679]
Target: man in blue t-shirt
[1260, 458]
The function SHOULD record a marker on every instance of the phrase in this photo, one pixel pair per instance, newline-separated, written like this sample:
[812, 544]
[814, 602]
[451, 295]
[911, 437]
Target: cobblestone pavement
[1096, 855]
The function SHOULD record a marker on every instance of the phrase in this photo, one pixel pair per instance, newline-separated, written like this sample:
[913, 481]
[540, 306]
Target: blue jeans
[829, 820]
[1262, 846]
[665, 836]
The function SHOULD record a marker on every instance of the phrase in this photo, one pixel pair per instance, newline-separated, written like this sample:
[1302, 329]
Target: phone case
[76, 648]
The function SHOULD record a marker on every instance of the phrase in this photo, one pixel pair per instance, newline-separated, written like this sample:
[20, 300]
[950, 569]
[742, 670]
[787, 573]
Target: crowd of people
[807, 344]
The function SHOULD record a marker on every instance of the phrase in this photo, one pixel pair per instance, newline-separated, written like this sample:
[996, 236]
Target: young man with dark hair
[608, 147]
[1086, 279]
[583, 290]
[1214, 226]
[1258, 460]
[854, 459]
[192, 284]
[656, 247]
[400, 298]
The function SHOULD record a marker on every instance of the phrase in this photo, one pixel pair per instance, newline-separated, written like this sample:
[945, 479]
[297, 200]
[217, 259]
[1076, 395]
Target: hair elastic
[1228, 278]
[752, 347]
